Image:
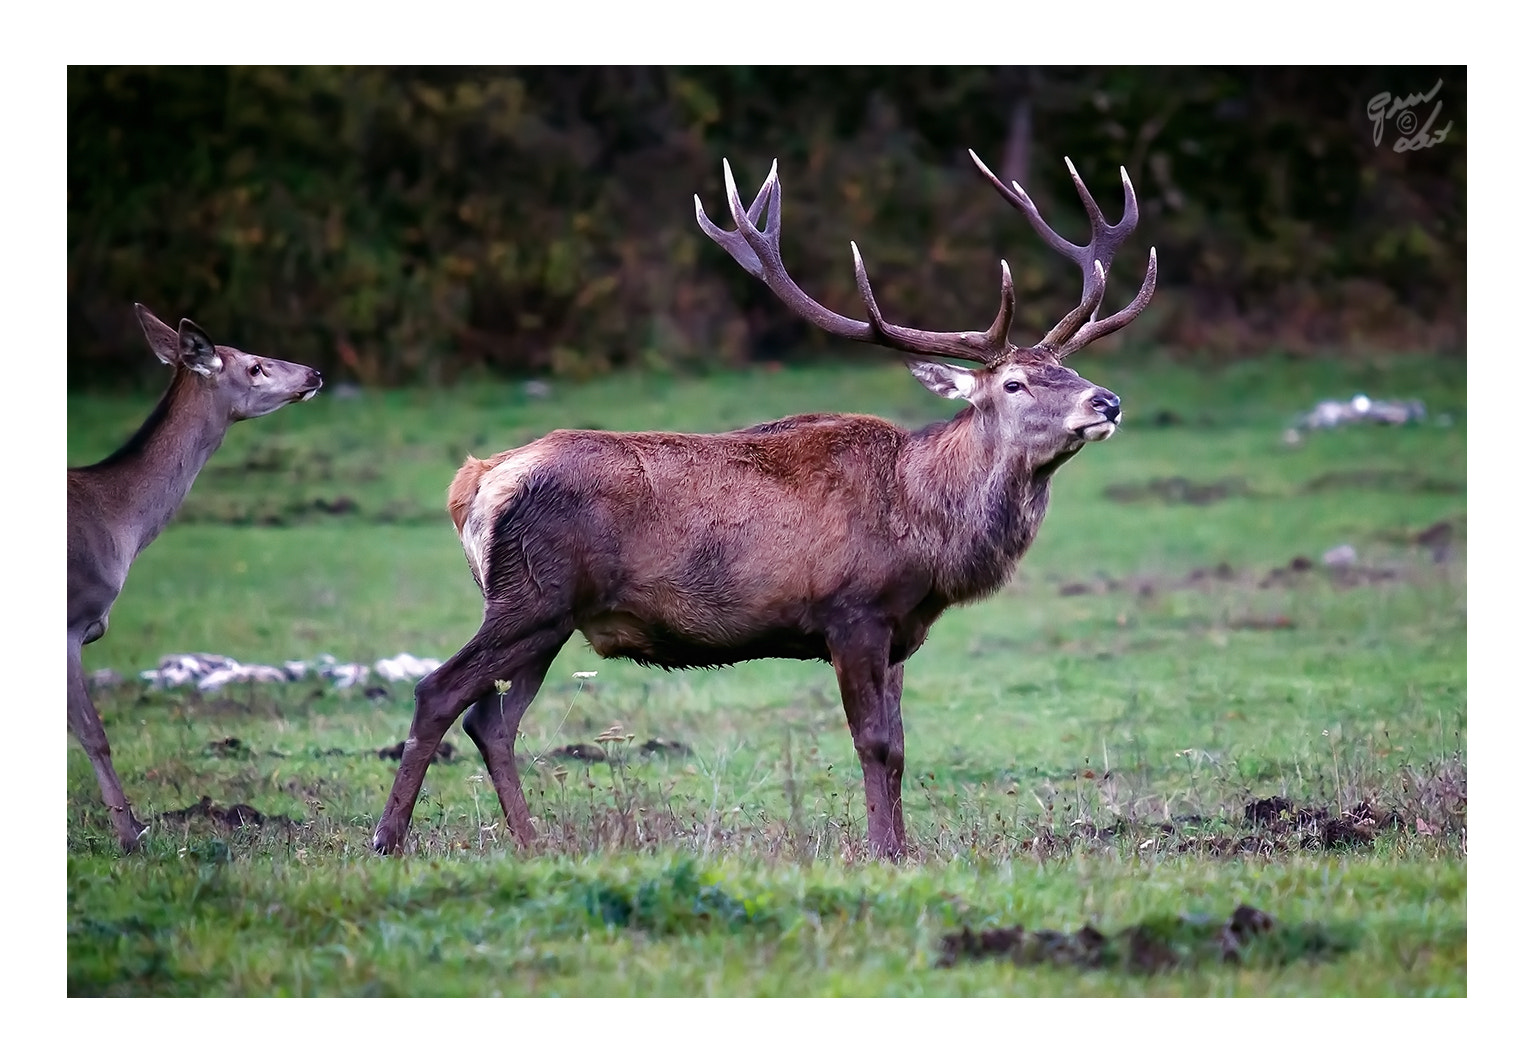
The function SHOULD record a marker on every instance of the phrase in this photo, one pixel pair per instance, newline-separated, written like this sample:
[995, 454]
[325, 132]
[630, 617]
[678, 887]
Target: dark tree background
[398, 226]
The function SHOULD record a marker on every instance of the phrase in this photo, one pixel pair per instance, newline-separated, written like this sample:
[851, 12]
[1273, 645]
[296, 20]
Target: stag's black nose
[1105, 403]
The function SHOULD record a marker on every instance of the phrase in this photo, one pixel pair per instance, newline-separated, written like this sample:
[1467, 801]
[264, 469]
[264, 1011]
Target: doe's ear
[197, 352]
[946, 381]
[162, 338]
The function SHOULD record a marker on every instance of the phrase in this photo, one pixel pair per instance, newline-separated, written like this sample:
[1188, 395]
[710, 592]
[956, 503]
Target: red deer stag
[833, 537]
[118, 506]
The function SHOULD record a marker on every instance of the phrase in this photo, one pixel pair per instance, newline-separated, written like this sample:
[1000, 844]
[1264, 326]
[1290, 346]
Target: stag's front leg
[863, 674]
[895, 759]
[85, 722]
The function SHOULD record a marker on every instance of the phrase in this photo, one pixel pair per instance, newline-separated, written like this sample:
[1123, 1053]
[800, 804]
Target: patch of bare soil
[1177, 490]
[1400, 481]
[1299, 571]
[1430, 803]
[443, 755]
[1150, 947]
[234, 816]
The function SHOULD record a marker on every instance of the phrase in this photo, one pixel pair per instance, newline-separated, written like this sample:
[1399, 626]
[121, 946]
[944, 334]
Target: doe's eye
[255, 370]
[1012, 386]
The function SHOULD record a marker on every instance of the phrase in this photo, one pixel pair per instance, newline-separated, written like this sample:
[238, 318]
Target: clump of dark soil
[1302, 569]
[232, 817]
[1354, 827]
[1249, 936]
[1177, 490]
[1277, 824]
[669, 747]
[595, 754]
[444, 754]
[1438, 539]
[579, 751]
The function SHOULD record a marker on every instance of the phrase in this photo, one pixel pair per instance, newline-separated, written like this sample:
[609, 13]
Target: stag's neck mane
[976, 504]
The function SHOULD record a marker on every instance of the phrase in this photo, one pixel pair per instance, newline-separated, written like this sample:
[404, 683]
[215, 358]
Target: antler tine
[1104, 240]
[1096, 329]
[1003, 323]
[1069, 325]
[1079, 328]
[757, 251]
[735, 243]
[1025, 206]
[984, 347]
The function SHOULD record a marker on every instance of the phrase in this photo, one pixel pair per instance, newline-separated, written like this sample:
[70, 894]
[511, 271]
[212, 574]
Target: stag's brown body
[838, 537]
[696, 550]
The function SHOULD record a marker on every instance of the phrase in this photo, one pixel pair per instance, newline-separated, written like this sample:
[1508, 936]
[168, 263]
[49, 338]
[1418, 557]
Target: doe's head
[245, 385]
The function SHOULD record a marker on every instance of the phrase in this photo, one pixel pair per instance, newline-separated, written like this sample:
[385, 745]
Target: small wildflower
[583, 675]
[503, 685]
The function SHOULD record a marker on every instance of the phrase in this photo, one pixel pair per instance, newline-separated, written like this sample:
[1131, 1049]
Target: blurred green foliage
[409, 225]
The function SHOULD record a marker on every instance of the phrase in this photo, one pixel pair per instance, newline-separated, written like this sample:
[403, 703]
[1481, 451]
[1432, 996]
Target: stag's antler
[1078, 328]
[756, 250]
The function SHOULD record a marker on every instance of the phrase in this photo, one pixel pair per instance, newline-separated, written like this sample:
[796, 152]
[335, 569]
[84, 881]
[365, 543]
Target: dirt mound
[1354, 827]
[232, 817]
[1248, 936]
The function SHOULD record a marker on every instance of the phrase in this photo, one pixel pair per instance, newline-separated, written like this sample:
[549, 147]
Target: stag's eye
[1012, 386]
[256, 370]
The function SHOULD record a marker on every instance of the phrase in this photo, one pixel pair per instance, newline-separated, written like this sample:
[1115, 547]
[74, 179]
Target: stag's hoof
[386, 841]
[131, 834]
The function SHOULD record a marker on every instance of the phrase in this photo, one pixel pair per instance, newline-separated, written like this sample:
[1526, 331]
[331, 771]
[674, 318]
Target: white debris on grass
[1340, 556]
[404, 666]
[212, 671]
[179, 669]
[237, 673]
[1330, 413]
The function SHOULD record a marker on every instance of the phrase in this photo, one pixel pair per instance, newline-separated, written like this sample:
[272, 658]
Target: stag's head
[243, 385]
[1033, 405]
[1024, 396]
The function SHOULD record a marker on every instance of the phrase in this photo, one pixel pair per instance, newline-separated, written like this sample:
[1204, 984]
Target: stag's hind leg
[492, 724]
[85, 722]
[468, 677]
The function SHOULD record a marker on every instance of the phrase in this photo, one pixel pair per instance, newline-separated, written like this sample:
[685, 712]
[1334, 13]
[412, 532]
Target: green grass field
[1097, 744]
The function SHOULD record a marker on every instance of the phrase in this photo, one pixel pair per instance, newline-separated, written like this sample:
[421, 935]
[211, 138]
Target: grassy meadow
[1176, 708]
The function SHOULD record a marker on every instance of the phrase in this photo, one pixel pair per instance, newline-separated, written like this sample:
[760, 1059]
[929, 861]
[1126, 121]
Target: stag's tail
[465, 485]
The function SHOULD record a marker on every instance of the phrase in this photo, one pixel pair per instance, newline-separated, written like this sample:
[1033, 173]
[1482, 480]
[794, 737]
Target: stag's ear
[197, 352]
[162, 338]
[947, 381]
